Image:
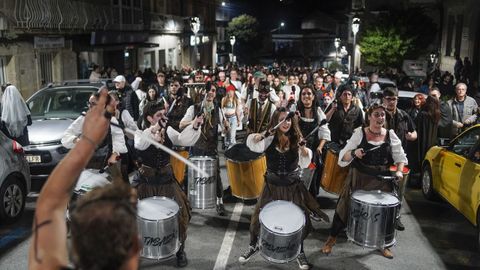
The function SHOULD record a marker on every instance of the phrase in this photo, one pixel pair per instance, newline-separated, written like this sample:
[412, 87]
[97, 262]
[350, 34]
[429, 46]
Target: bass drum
[157, 219]
[178, 166]
[281, 231]
[246, 170]
[333, 176]
[372, 218]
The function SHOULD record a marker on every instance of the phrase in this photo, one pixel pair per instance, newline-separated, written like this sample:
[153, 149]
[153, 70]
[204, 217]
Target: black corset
[281, 163]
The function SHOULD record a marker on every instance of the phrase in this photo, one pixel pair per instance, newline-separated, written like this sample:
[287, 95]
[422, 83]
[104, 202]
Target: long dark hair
[432, 108]
[294, 134]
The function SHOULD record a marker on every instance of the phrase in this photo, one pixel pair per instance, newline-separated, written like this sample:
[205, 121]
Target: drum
[245, 170]
[306, 175]
[202, 190]
[281, 231]
[403, 183]
[372, 219]
[157, 219]
[178, 166]
[333, 176]
[88, 180]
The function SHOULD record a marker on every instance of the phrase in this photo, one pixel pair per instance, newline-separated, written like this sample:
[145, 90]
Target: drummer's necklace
[376, 134]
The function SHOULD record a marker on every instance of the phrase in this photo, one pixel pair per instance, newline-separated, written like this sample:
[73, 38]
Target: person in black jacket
[129, 99]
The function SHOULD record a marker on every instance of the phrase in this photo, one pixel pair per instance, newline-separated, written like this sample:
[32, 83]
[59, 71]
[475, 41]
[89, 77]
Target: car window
[59, 103]
[464, 144]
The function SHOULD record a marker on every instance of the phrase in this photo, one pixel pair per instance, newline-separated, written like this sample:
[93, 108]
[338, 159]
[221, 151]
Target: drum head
[241, 153]
[282, 217]
[375, 197]
[90, 179]
[157, 208]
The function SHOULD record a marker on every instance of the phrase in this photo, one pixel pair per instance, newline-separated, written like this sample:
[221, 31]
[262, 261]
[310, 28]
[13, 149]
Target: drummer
[178, 103]
[310, 117]
[366, 166]
[207, 144]
[156, 172]
[285, 151]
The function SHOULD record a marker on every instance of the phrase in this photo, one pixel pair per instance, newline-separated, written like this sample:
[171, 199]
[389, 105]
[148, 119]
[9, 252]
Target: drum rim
[247, 161]
[162, 197]
[392, 204]
[279, 261]
[212, 158]
[284, 234]
[386, 245]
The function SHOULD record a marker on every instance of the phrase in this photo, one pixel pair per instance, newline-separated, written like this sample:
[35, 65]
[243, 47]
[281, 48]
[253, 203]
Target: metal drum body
[178, 166]
[306, 175]
[246, 171]
[202, 190]
[372, 218]
[281, 230]
[157, 219]
[333, 176]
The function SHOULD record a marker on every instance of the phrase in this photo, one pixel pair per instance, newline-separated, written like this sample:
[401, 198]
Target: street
[436, 237]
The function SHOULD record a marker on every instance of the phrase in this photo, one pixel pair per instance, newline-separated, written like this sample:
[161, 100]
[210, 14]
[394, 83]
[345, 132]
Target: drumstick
[162, 147]
[289, 115]
[323, 122]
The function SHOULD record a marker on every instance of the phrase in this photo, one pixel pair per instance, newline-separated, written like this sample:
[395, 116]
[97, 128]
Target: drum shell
[178, 166]
[306, 175]
[160, 238]
[333, 176]
[247, 178]
[372, 225]
[280, 247]
[202, 190]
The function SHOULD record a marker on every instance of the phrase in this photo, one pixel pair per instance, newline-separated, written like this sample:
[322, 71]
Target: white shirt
[75, 130]
[189, 116]
[398, 154]
[129, 122]
[261, 146]
[187, 137]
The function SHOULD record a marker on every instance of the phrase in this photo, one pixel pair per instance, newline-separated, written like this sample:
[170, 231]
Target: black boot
[399, 225]
[181, 257]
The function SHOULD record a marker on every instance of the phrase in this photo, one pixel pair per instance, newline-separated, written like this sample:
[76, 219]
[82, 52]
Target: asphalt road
[436, 237]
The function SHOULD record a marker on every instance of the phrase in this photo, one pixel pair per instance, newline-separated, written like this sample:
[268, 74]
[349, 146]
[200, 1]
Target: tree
[384, 47]
[245, 30]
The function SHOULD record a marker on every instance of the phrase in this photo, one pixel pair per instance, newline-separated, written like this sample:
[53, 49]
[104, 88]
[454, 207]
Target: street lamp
[337, 45]
[195, 26]
[232, 42]
[282, 25]
[355, 28]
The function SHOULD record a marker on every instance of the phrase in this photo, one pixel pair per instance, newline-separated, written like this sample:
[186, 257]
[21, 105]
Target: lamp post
[195, 26]
[337, 45]
[355, 28]
[232, 42]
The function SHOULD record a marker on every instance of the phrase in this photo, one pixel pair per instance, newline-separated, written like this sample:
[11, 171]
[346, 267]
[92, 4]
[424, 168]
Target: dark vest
[178, 112]
[207, 143]
[281, 163]
[306, 128]
[380, 157]
[154, 157]
[102, 153]
[258, 121]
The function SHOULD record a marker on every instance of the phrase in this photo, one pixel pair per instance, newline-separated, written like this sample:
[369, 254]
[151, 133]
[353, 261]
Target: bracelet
[352, 153]
[195, 128]
[88, 140]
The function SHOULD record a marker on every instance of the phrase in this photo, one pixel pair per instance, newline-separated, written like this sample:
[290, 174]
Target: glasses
[378, 114]
[390, 98]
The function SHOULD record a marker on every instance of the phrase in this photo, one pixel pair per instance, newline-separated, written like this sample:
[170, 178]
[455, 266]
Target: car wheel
[427, 183]
[12, 198]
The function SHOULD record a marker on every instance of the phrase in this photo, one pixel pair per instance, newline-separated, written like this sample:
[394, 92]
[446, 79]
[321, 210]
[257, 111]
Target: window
[464, 144]
[449, 40]
[46, 67]
[3, 67]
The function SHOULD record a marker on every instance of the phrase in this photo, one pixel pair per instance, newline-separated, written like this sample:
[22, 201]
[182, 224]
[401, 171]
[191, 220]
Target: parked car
[53, 109]
[404, 98]
[383, 82]
[452, 172]
[14, 179]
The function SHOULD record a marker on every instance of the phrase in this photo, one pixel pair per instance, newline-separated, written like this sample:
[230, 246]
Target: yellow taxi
[453, 173]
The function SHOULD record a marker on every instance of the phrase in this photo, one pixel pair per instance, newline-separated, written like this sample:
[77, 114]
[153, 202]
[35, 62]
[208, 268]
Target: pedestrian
[231, 108]
[15, 116]
[129, 99]
[427, 125]
[463, 109]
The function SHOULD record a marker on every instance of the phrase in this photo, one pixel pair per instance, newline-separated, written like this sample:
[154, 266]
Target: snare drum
[281, 231]
[333, 176]
[372, 218]
[245, 170]
[202, 190]
[402, 184]
[178, 166]
[88, 180]
[157, 219]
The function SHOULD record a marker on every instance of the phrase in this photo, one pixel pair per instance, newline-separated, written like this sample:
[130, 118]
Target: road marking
[226, 247]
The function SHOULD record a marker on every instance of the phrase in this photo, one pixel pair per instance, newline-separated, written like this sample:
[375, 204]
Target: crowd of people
[291, 115]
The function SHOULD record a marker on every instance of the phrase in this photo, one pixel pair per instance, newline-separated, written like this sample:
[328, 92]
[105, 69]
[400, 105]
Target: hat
[390, 92]
[230, 87]
[119, 78]
[259, 74]
[264, 87]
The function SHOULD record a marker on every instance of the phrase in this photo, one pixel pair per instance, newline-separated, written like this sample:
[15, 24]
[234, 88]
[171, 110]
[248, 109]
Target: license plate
[33, 159]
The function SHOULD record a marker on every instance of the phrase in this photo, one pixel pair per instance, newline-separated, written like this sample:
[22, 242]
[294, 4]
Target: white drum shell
[281, 231]
[371, 222]
[157, 220]
[202, 190]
